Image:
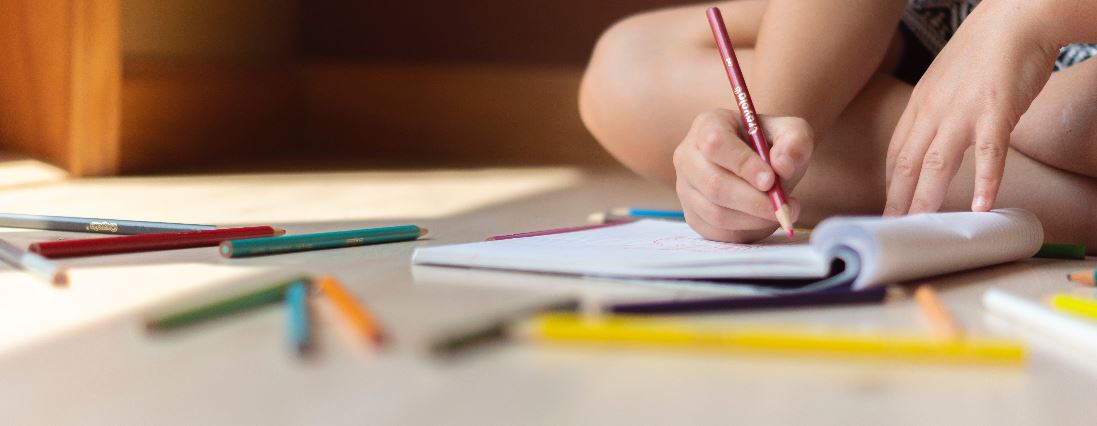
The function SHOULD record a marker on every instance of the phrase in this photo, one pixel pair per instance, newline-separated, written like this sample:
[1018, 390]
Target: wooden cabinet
[161, 86]
[60, 82]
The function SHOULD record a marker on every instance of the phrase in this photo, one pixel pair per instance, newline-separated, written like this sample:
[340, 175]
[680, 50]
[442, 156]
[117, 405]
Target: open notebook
[868, 250]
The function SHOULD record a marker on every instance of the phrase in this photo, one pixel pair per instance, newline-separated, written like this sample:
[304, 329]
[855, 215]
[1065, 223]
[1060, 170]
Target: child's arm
[975, 93]
[814, 56]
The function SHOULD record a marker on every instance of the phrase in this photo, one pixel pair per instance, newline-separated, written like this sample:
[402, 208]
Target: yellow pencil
[1074, 305]
[355, 314]
[935, 312]
[668, 333]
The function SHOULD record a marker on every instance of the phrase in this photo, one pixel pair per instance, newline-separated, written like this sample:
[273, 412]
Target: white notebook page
[923, 245]
[643, 249]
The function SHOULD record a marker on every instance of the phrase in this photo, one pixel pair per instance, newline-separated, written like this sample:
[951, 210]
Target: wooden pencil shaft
[942, 323]
[94, 225]
[298, 324]
[149, 242]
[618, 330]
[220, 308]
[1077, 306]
[1070, 330]
[356, 314]
[325, 240]
[33, 263]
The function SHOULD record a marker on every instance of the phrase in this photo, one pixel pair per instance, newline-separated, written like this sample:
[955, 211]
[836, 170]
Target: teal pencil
[297, 306]
[324, 240]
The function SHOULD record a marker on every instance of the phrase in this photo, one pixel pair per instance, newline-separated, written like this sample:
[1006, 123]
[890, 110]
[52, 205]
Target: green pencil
[324, 240]
[1062, 251]
[220, 308]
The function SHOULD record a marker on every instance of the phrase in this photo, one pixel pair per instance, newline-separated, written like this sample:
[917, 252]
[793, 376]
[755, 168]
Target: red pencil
[150, 242]
[553, 231]
[746, 108]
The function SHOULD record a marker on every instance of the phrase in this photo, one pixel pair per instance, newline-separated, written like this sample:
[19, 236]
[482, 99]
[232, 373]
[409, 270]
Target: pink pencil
[553, 231]
[750, 117]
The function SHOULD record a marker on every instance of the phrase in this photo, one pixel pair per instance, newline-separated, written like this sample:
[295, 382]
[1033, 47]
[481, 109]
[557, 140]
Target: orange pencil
[356, 314]
[935, 312]
[1083, 277]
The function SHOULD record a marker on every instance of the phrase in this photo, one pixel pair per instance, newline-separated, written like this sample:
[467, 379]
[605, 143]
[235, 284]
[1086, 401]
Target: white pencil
[1076, 332]
[33, 263]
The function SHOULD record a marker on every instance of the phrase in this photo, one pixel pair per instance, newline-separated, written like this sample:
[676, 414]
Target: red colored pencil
[746, 108]
[150, 242]
[553, 231]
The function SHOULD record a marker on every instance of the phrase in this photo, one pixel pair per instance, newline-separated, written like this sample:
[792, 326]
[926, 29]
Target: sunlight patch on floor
[33, 311]
[22, 172]
[285, 197]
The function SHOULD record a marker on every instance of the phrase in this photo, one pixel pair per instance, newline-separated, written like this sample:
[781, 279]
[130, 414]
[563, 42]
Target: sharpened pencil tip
[423, 231]
[596, 217]
[279, 232]
[61, 278]
[784, 217]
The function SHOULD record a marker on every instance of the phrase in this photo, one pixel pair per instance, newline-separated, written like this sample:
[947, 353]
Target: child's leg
[652, 73]
[846, 175]
[1060, 129]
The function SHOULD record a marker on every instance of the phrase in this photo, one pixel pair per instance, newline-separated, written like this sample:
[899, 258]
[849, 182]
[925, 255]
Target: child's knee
[617, 78]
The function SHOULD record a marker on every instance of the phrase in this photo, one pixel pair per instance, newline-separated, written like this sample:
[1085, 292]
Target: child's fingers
[722, 188]
[991, 145]
[792, 144]
[941, 162]
[715, 138]
[720, 217]
[902, 131]
[907, 166]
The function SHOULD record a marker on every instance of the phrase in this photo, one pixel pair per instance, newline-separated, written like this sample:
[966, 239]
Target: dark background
[213, 85]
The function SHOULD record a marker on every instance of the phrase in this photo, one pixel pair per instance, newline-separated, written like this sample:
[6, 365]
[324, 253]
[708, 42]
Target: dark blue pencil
[724, 304]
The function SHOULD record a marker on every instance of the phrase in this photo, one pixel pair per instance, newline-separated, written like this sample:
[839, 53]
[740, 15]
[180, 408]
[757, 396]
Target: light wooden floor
[79, 355]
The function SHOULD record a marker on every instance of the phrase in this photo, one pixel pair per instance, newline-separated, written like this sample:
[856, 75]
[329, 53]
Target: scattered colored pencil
[934, 311]
[667, 333]
[750, 117]
[725, 304]
[625, 214]
[1074, 331]
[1062, 251]
[324, 240]
[33, 263]
[1077, 306]
[237, 303]
[649, 213]
[550, 231]
[297, 319]
[1084, 277]
[99, 226]
[149, 242]
[475, 335]
[599, 218]
[356, 315]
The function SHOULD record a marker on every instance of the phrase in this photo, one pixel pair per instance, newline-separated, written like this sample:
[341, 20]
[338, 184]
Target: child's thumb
[792, 146]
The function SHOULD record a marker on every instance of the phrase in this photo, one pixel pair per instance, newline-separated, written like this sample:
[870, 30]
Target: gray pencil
[33, 263]
[99, 226]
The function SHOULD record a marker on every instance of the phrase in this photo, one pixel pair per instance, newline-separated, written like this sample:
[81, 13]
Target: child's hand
[973, 94]
[722, 182]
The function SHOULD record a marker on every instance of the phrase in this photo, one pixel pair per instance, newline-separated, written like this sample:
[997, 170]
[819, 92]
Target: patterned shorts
[934, 21]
